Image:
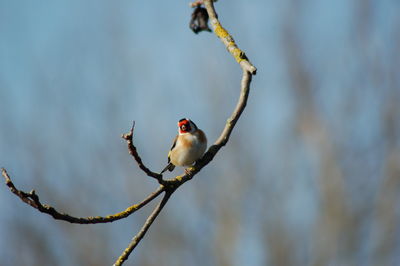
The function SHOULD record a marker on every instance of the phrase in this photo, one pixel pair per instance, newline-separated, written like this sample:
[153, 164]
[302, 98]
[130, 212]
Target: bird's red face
[184, 126]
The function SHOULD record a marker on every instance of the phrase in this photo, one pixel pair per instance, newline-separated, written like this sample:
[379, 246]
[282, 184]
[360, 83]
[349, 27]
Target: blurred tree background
[311, 175]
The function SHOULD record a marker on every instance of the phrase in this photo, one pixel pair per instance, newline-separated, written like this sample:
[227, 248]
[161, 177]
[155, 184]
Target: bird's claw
[189, 170]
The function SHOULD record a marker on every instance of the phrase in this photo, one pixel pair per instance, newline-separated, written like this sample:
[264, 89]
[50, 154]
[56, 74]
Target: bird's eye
[183, 127]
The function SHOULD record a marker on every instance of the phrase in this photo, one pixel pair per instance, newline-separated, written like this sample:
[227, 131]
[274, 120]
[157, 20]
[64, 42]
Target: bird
[188, 146]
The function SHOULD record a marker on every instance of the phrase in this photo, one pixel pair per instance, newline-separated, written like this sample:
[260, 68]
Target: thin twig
[132, 151]
[136, 239]
[32, 199]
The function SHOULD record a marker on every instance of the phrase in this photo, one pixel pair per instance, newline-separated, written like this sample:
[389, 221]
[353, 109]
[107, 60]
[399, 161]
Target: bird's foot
[189, 170]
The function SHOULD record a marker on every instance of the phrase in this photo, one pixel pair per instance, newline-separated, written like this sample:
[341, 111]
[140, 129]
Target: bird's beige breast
[188, 149]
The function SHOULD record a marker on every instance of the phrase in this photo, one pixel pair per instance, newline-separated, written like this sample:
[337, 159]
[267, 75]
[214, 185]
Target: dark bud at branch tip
[199, 21]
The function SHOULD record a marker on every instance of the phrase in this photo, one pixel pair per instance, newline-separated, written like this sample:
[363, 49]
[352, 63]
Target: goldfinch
[189, 145]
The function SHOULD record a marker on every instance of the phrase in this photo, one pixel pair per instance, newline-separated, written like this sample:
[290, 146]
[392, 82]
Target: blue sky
[73, 76]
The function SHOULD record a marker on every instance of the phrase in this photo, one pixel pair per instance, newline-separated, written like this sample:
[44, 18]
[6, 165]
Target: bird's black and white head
[186, 125]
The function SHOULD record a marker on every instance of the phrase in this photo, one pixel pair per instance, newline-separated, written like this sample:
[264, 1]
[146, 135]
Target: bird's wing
[202, 136]
[172, 147]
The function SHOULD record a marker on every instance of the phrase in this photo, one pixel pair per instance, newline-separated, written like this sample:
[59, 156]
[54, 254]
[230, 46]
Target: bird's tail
[169, 167]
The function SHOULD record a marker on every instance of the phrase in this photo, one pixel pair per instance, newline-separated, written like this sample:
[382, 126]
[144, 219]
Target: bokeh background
[311, 175]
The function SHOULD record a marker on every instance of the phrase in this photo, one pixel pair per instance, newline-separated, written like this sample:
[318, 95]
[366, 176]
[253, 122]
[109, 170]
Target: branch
[173, 184]
[248, 71]
[228, 40]
[136, 239]
[168, 186]
[32, 199]
[241, 104]
[132, 151]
